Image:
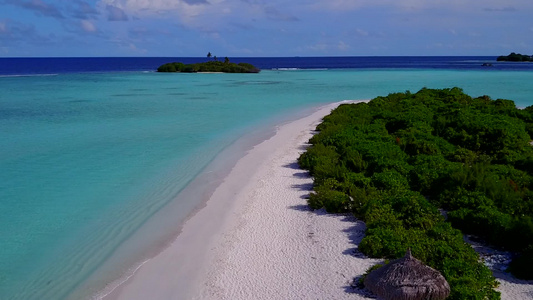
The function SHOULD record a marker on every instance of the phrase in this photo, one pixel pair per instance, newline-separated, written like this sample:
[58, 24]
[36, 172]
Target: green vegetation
[210, 66]
[515, 57]
[397, 160]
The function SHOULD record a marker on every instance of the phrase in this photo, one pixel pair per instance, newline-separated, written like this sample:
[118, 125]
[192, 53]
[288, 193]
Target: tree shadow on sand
[294, 166]
[355, 232]
[301, 207]
[303, 187]
[300, 174]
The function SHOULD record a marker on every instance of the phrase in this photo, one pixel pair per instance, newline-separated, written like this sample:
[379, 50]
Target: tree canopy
[210, 66]
[400, 161]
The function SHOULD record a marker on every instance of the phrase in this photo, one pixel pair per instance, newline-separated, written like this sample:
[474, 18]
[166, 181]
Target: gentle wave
[299, 69]
[110, 288]
[27, 75]
[286, 69]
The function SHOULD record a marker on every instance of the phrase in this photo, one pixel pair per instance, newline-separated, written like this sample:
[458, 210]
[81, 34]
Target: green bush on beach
[210, 66]
[396, 161]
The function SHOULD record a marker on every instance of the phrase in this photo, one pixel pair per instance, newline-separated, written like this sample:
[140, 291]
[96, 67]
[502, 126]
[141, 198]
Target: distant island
[210, 66]
[515, 57]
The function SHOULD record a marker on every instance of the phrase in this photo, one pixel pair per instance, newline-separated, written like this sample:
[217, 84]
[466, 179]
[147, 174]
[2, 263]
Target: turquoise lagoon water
[87, 159]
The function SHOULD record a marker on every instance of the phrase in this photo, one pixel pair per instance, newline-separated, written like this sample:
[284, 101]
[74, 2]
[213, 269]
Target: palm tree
[226, 60]
[209, 55]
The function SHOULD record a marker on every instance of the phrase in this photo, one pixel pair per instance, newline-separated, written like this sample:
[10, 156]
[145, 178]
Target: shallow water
[87, 159]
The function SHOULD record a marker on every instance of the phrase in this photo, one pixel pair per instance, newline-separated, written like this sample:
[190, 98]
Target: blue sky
[264, 27]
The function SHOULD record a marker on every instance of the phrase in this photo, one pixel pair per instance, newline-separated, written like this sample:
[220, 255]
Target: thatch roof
[407, 278]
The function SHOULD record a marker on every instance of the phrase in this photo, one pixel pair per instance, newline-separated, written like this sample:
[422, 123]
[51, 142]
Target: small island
[515, 57]
[212, 66]
[209, 67]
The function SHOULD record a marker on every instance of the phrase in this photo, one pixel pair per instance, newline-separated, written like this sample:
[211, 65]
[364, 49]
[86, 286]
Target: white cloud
[343, 46]
[319, 47]
[275, 14]
[150, 7]
[38, 6]
[196, 14]
[116, 14]
[501, 9]
[134, 48]
[420, 5]
[82, 10]
[361, 32]
[209, 10]
[88, 26]
[327, 47]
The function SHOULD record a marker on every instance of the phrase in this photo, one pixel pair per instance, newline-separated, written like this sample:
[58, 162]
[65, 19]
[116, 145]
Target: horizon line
[295, 56]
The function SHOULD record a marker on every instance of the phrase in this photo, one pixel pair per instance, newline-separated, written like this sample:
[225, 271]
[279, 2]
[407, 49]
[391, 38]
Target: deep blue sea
[28, 66]
[92, 148]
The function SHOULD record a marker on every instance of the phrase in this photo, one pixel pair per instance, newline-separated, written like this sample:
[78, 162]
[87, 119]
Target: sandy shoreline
[257, 239]
[253, 197]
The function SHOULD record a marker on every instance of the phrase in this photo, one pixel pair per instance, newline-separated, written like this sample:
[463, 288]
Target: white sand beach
[257, 239]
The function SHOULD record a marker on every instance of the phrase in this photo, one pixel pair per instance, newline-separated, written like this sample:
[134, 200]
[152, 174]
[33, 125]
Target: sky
[264, 28]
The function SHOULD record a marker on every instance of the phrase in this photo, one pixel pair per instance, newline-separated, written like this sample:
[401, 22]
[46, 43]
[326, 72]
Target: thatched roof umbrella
[407, 278]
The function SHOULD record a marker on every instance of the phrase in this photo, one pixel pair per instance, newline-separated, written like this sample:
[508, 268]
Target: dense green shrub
[394, 161]
[390, 180]
[428, 172]
[210, 66]
[333, 201]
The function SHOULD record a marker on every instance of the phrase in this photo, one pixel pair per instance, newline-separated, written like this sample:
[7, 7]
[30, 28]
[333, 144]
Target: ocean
[95, 153]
